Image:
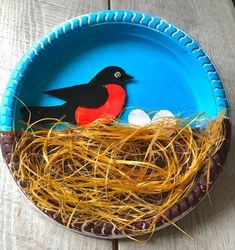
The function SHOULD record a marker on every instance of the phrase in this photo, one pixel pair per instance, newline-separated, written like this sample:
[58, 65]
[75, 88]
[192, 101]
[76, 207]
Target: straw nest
[116, 174]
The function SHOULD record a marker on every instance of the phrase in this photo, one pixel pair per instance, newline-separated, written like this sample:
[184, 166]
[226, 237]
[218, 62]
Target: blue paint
[168, 65]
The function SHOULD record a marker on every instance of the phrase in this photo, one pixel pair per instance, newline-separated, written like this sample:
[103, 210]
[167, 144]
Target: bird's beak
[128, 77]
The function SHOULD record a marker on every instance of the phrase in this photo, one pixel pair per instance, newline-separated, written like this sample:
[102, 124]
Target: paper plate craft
[115, 124]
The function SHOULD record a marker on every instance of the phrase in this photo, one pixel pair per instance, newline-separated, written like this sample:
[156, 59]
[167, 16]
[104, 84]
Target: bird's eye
[117, 74]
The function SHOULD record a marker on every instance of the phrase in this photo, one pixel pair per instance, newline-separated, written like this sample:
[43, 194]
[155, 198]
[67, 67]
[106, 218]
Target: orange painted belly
[109, 110]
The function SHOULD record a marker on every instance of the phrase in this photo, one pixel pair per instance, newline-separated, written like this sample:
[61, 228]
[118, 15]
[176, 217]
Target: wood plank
[212, 23]
[22, 227]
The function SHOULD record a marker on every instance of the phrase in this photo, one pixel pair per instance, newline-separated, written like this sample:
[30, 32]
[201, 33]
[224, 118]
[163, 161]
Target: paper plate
[171, 71]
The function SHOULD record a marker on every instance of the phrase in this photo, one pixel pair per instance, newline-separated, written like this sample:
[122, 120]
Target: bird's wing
[86, 95]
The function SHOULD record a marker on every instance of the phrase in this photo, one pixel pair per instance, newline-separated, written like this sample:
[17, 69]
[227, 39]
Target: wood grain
[212, 23]
[22, 22]
[22, 227]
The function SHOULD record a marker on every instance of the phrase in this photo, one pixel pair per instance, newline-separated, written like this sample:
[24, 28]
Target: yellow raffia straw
[115, 174]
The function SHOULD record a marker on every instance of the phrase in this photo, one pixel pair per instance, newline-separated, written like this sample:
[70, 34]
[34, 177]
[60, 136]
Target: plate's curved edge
[9, 100]
[126, 16]
[173, 214]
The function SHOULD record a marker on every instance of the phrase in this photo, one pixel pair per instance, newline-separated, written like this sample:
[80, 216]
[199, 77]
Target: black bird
[104, 95]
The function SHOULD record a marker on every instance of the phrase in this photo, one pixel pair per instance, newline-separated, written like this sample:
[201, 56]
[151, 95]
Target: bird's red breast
[111, 108]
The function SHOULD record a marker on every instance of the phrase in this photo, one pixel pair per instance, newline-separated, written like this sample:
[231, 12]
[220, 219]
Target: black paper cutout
[86, 95]
[90, 95]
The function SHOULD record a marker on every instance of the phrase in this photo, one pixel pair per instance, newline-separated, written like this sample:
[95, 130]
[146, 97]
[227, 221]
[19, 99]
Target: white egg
[139, 118]
[161, 115]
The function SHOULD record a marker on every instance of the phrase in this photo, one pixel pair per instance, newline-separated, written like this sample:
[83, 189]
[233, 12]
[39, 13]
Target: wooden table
[212, 23]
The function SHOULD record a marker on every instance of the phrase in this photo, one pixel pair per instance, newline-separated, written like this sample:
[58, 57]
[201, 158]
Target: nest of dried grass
[116, 174]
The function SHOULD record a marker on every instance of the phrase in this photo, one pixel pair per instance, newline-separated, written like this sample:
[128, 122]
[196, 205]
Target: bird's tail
[44, 114]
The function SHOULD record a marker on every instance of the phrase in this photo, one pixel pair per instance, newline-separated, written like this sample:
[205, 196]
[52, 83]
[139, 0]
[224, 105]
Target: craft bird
[103, 96]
